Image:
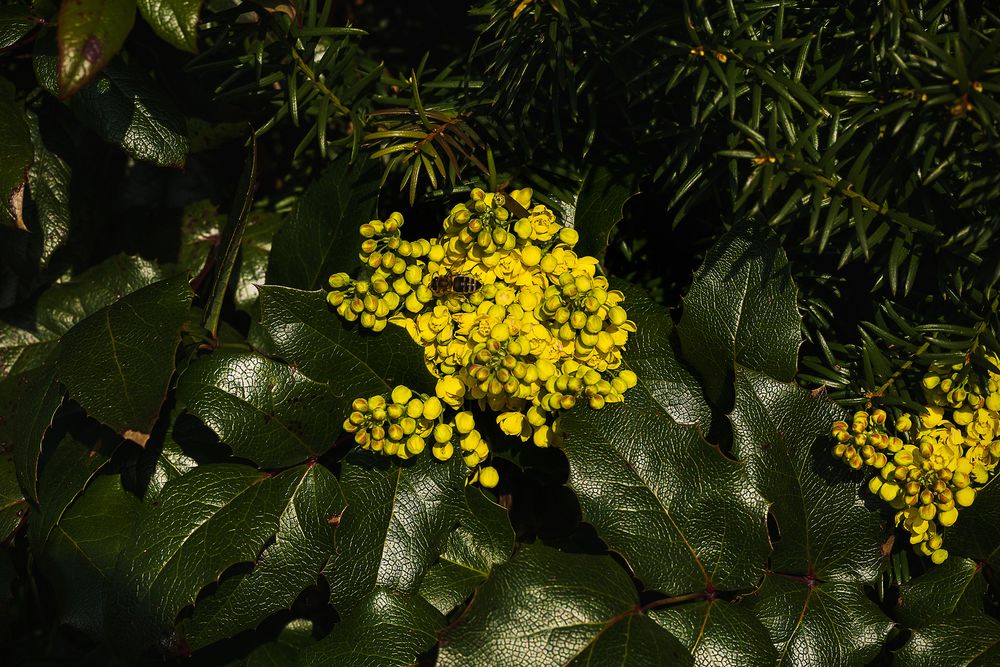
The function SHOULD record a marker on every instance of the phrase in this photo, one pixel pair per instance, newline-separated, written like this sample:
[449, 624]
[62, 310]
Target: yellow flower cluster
[401, 425]
[946, 456]
[508, 315]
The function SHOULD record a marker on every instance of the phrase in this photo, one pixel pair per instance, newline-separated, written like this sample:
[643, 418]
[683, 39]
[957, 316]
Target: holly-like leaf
[741, 310]
[484, 538]
[163, 458]
[125, 107]
[385, 628]
[782, 433]
[650, 353]
[286, 648]
[202, 523]
[175, 21]
[719, 633]
[961, 639]
[28, 402]
[321, 235]
[80, 553]
[90, 33]
[599, 203]
[819, 624]
[396, 524]
[976, 533]
[13, 505]
[684, 517]
[16, 155]
[543, 607]
[264, 410]
[36, 256]
[69, 467]
[117, 363]
[303, 544]
[957, 586]
[16, 21]
[255, 250]
[29, 334]
[304, 331]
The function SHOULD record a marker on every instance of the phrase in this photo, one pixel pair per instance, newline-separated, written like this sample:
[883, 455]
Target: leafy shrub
[181, 478]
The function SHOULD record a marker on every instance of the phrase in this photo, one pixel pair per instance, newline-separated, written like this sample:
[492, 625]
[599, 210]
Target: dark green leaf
[66, 473]
[81, 551]
[482, 539]
[36, 255]
[972, 640]
[175, 21]
[15, 22]
[976, 533]
[303, 544]
[265, 411]
[957, 586]
[633, 640]
[823, 624]
[782, 433]
[126, 108]
[665, 499]
[397, 523]
[543, 607]
[304, 331]
[28, 401]
[719, 633]
[117, 363]
[254, 253]
[321, 235]
[650, 353]
[90, 33]
[16, 155]
[13, 506]
[741, 310]
[385, 629]
[602, 196]
[202, 523]
[29, 334]
[284, 650]
[163, 458]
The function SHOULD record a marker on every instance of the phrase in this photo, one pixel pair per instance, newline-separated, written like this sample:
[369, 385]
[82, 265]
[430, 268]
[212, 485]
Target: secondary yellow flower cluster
[508, 315]
[401, 425]
[947, 454]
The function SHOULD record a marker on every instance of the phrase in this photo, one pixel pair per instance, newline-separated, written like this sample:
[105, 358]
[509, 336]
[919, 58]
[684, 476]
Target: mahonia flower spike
[934, 470]
[508, 316]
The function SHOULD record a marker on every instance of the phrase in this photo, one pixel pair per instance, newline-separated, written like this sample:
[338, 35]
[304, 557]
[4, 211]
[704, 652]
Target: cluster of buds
[934, 469]
[402, 423]
[397, 282]
[509, 317]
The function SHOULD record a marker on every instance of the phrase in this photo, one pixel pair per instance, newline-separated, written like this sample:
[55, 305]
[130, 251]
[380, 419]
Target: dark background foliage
[846, 150]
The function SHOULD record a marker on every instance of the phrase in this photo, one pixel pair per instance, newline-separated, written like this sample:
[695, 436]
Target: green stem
[232, 237]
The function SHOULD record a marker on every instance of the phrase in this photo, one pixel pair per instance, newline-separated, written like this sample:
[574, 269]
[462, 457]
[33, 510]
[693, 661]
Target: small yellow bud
[569, 236]
[442, 433]
[488, 477]
[965, 496]
[432, 408]
[904, 423]
[443, 452]
[948, 517]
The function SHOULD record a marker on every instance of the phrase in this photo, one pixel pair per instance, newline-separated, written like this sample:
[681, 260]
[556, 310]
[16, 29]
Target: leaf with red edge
[90, 33]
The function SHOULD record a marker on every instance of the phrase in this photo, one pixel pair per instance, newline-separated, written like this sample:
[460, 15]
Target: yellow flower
[450, 390]
[932, 416]
[514, 423]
